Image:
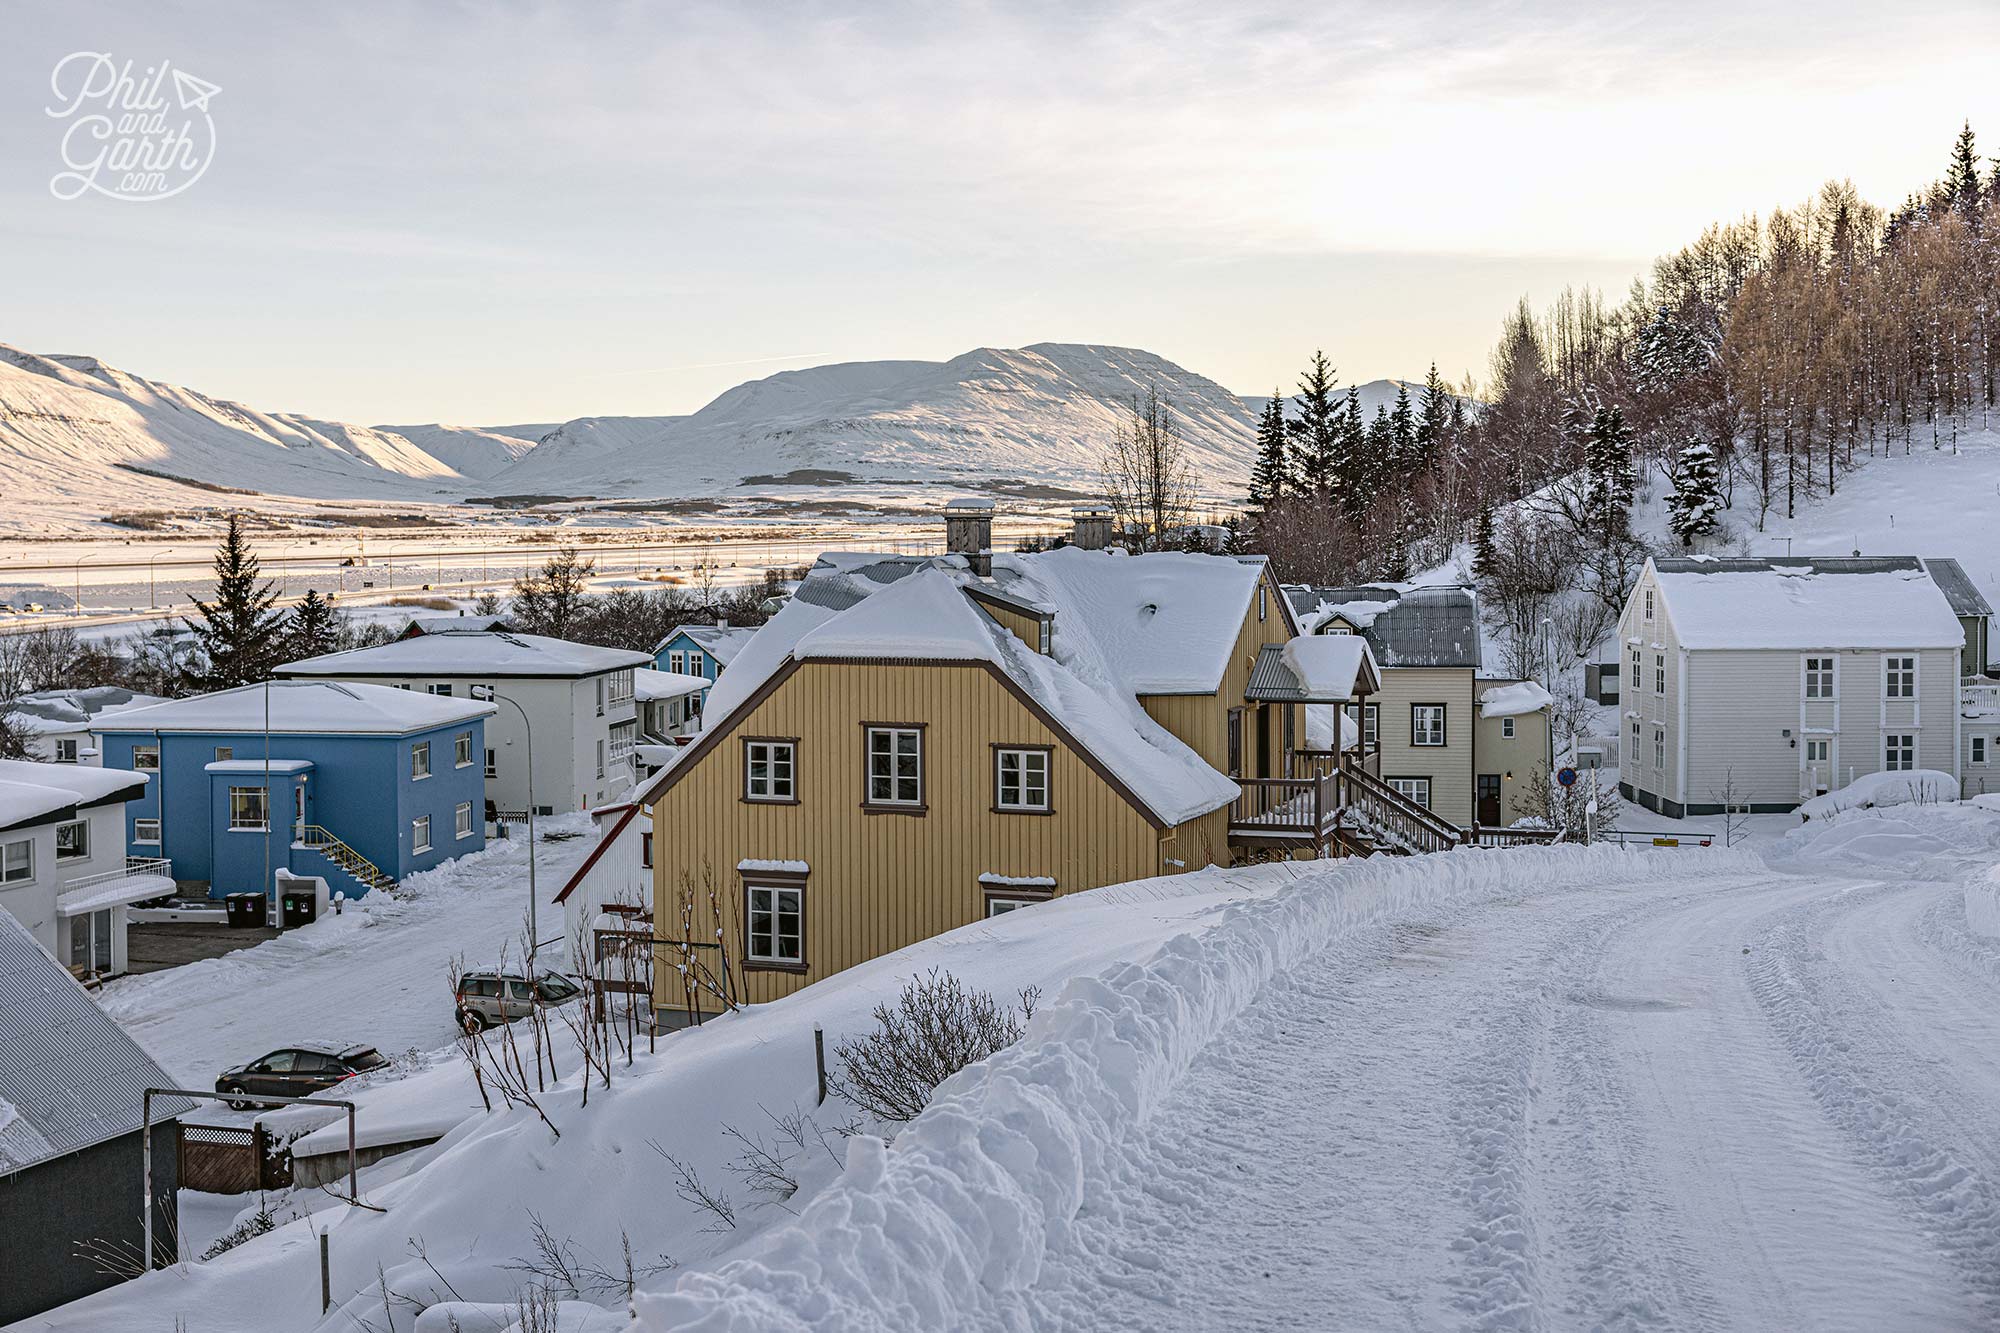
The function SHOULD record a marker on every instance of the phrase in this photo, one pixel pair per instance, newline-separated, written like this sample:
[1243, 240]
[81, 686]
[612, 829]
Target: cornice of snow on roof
[301, 707]
[1800, 602]
[720, 642]
[476, 655]
[929, 619]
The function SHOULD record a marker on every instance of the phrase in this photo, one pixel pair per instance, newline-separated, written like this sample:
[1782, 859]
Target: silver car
[486, 998]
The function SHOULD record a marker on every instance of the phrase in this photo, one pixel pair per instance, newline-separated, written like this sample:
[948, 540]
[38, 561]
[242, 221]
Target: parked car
[486, 998]
[298, 1071]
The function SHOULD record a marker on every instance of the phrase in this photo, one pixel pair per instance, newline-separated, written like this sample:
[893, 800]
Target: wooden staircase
[359, 867]
[1349, 811]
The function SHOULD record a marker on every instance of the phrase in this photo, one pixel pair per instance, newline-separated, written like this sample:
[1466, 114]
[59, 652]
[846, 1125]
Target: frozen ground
[1544, 1088]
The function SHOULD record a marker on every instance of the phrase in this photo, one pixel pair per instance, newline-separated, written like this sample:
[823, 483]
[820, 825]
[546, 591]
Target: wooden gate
[231, 1159]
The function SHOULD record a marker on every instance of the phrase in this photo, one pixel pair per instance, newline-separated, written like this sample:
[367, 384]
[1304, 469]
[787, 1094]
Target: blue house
[700, 650]
[359, 785]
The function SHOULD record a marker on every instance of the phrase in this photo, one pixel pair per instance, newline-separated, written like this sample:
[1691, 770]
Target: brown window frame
[775, 881]
[745, 795]
[921, 806]
[1444, 727]
[1048, 806]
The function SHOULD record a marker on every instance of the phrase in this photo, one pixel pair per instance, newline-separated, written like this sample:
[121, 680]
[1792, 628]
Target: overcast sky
[513, 213]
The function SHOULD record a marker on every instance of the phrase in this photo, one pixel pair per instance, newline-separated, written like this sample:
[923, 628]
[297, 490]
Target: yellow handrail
[320, 839]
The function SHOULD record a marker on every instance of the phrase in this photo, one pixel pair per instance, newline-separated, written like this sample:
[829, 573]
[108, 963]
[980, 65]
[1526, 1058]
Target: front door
[1816, 765]
[1488, 814]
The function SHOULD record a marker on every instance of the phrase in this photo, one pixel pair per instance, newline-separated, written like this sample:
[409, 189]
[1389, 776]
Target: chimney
[1093, 527]
[968, 531]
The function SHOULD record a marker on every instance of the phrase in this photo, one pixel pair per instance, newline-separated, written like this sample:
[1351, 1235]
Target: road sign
[1566, 776]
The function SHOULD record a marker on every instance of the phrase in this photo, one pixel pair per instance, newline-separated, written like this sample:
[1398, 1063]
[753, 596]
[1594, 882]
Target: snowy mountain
[471, 451]
[75, 432]
[1040, 413]
[1374, 394]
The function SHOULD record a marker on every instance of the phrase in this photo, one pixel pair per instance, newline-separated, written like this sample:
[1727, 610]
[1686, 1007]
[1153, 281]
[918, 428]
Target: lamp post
[152, 561]
[534, 936]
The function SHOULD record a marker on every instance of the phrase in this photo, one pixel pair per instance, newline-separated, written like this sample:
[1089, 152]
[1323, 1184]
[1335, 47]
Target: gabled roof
[70, 1077]
[921, 610]
[300, 707]
[1320, 669]
[1958, 589]
[459, 624]
[1797, 602]
[34, 793]
[718, 641]
[489, 653]
[1406, 627]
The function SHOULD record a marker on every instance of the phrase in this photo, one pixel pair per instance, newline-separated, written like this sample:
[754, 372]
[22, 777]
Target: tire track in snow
[1892, 1104]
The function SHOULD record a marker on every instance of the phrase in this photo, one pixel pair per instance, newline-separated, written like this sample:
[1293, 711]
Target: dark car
[298, 1071]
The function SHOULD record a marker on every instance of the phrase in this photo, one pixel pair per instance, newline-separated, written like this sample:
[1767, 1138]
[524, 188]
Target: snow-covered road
[1762, 1101]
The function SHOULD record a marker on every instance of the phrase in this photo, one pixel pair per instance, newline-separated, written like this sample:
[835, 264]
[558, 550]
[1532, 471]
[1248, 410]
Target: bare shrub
[936, 1028]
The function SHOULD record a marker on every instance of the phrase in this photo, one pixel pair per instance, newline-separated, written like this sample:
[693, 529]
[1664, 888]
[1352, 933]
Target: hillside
[471, 451]
[1040, 413]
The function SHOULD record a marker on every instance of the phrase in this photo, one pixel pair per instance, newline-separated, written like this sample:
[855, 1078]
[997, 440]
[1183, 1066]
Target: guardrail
[1481, 836]
[135, 868]
[1652, 838]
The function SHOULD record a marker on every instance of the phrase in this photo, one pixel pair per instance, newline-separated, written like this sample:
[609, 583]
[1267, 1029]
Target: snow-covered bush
[936, 1028]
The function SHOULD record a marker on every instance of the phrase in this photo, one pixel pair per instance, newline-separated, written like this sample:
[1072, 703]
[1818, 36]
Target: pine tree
[314, 627]
[240, 634]
[1403, 433]
[1270, 476]
[1695, 507]
[1371, 466]
[1961, 179]
[1315, 433]
[1609, 476]
[1485, 558]
[1433, 411]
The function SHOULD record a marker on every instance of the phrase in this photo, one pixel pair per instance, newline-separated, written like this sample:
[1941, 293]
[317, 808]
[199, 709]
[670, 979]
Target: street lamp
[534, 937]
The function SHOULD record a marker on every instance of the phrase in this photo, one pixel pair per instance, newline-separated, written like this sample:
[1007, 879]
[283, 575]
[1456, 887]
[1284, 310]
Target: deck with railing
[1330, 810]
[1979, 697]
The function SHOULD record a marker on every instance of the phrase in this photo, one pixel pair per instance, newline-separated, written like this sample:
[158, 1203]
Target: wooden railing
[1977, 695]
[1393, 816]
[1288, 808]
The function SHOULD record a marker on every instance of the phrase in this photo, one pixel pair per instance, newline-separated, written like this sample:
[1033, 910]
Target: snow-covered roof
[1407, 627]
[903, 608]
[46, 712]
[493, 653]
[1957, 587]
[1331, 668]
[319, 707]
[70, 1077]
[1523, 696]
[458, 624]
[1799, 602]
[649, 685]
[113, 893]
[31, 792]
[718, 641]
[1164, 623]
[258, 766]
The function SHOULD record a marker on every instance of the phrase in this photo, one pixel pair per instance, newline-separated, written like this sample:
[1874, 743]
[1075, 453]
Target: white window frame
[263, 803]
[224, 753]
[441, 688]
[1660, 674]
[462, 819]
[624, 735]
[1890, 672]
[1419, 737]
[145, 758]
[1907, 750]
[461, 750]
[1507, 728]
[895, 779]
[1370, 723]
[697, 663]
[1414, 789]
[1825, 743]
[1649, 603]
[774, 906]
[139, 831]
[65, 749]
[771, 752]
[1978, 749]
[26, 873]
[480, 693]
[600, 758]
[1826, 677]
[420, 761]
[621, 686]
[677, 661]
[492, 762]
[1002, 906]
[80, 849]
[1660, 748]
[420, 834]
[1027, 759]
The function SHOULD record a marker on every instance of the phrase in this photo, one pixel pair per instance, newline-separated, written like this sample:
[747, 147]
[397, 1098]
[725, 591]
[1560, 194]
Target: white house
[63, 870]
[55, 724]
[573, 704]
[1767, 682]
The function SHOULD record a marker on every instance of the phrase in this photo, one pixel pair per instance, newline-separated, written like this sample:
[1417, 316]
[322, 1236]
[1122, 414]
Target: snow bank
[1328, 665]
[953, 1221]
[1923, 786]
[1513, 700]
[1931, 842]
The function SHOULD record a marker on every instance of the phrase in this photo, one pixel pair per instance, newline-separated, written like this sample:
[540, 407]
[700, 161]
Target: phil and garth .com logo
[130, 136]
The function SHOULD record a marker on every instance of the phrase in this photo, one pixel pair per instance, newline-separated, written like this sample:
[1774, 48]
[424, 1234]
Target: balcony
[143, 877]
[1979, 696]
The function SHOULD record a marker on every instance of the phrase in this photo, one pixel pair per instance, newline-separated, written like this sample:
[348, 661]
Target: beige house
[1768, 682]
[1460, 743]
[915, 743]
